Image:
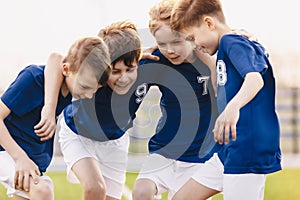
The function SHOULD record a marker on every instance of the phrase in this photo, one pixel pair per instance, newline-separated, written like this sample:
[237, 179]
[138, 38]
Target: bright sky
[31, 29]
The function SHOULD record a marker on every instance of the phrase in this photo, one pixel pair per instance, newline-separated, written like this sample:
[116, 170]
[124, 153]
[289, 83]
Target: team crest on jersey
[221, 73]
[140, 92]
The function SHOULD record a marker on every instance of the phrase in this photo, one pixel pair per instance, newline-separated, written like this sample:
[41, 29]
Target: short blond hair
[123, 42]
[159, 14]
[188, 13]
[90, 52]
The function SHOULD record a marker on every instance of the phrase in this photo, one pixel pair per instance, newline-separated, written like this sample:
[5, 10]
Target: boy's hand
[25, 169]
[47, 125]
[147, 54]
[226, 123]
[246, 34]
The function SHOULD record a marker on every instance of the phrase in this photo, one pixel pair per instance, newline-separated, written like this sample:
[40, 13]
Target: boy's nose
[170, 50]
[123, 77]
[89, 95]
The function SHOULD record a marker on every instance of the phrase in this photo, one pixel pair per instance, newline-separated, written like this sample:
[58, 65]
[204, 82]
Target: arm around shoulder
[53, 81]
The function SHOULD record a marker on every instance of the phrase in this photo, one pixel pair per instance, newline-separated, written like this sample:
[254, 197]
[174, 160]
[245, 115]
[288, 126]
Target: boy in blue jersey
[247, 126]
[24, 157]
[181, 143]
[92, 132]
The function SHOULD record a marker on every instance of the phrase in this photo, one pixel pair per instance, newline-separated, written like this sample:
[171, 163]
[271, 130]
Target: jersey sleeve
[246, 56]
[23, 94]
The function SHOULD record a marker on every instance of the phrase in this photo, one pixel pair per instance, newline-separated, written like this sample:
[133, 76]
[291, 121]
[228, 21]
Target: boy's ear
[210, 23]
[66, 69]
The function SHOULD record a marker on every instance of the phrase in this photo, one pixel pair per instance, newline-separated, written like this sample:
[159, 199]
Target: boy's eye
[131, 70]
[85, 87]
[176, 42]
[161, 44]
[115, 72]
[190, 38]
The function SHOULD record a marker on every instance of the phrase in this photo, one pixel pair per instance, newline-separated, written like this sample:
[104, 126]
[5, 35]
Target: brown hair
[188, 13]
[159, 13]
[90, 52]
[123, 42]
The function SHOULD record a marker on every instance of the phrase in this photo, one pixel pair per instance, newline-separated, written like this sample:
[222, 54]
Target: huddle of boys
[184, 158]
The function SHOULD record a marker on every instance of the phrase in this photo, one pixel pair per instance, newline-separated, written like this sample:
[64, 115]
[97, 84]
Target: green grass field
[281, 185]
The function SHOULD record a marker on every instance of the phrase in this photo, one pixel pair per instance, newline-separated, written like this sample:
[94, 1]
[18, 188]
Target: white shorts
[234, 186]
[167, 174]
[7, 174]
[112, 156]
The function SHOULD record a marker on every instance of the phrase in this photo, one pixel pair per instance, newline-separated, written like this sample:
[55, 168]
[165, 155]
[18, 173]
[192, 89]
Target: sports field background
[282, 185]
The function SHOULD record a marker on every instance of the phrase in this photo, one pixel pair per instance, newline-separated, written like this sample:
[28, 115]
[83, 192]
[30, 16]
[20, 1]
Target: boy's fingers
[216, 131]
[40, 124]
[49, 136]
[26, 183]
[19, 180]
[16, 179]
[44, 132]
[220, 133]
[35, 176]
[47, 133]
[233, 132]
[227, 131]
[42, 129]
[150, 57]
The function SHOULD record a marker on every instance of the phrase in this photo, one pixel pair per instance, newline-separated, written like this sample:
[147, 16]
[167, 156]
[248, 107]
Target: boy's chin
[121, 91]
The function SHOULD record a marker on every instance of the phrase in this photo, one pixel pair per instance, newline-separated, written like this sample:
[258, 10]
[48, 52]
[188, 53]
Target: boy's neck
[64, 89]
[223, 30]
[191, 58]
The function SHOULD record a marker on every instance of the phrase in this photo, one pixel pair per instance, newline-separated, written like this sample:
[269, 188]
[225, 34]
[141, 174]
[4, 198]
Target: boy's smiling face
[122, 77]
[205, 36]
[174, 47]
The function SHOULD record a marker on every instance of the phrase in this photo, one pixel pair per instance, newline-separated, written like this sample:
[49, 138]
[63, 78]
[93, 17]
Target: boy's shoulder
[228, 40]
[232, 38]
[236, 38]
[34, 72]
[34, 69]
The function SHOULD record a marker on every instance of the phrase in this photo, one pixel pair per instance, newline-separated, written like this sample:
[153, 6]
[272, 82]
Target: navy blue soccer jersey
[187, 104]
[257, 148]
[107, 116]
[25, 99]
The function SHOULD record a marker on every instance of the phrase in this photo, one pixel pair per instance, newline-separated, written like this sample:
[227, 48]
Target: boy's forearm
[210, 61]
[6, 140]
[207, 59]
[53, 78]
[9, 144]
[253, 83]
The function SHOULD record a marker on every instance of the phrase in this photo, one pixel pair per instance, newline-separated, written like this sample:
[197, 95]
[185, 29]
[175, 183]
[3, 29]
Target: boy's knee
[141, 192]
[95, 189]
[43, 191]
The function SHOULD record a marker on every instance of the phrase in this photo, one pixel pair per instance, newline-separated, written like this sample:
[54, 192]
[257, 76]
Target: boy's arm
[228, 119]
[53, 80]
[25, 167]
[245, 33]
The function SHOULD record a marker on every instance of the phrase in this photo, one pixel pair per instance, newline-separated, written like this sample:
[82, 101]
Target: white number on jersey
[221, 73]
[140, 92]
[204, 80]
